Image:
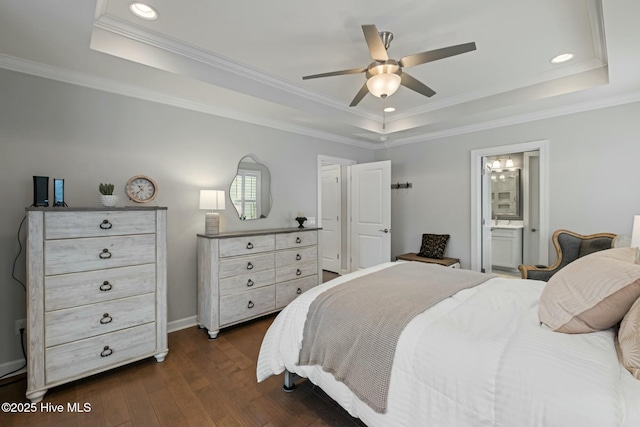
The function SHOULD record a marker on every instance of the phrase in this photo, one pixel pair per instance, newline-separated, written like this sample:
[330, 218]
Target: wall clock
[141, 189]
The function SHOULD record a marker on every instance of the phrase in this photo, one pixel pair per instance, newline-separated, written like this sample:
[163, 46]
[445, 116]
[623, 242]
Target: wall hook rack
[398, 186]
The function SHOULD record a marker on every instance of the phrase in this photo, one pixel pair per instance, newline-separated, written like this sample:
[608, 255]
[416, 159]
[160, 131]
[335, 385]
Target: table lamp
[212, 200]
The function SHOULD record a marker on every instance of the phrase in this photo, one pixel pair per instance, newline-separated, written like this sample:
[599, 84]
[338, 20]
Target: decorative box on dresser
[244, 275]
[96, 291]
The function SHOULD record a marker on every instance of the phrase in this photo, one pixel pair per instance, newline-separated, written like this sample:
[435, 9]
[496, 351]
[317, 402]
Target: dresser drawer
[296, 271]
[71, 324]
[94, 354]
[246, 264]
[75, 255]
[246, 245]
[246, 305]
[69, 225]
[246, 282]
[288, 291]
[296, 256]
[295, 239]
[69, 290]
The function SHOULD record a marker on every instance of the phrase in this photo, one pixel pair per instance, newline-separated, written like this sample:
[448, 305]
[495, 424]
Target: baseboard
[173, 326]
[177, 325]
[12, 366]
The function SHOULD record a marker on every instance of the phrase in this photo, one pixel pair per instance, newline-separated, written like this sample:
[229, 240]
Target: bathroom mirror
[250, 191]
[505, 194]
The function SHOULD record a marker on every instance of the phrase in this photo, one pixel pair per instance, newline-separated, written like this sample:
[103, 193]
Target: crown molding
[519, 119]
[106, 85]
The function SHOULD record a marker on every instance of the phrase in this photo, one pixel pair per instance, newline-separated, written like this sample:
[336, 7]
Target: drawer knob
[106, 286]
[106, 351]
[106, 319]
[298, 240]
[105, 254]
[250, 305]
[249, 266]
[299, 291]
[106, 225]
[249, 245]
[250, 283]
[298, 257]
[298, 272]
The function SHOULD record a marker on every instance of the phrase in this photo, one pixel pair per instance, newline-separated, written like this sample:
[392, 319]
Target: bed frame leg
[289, 379]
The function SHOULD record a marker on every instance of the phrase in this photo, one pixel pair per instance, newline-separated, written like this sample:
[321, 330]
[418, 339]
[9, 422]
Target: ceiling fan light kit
[384, 75]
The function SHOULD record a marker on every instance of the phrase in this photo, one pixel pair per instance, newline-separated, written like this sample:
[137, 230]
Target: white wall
[87, 137]
[594, 160]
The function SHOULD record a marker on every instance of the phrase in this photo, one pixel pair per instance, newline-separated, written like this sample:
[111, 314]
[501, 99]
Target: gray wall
[87, 137]
[594, 160]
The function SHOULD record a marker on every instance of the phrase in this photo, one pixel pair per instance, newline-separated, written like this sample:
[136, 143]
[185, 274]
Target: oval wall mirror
[250, 191]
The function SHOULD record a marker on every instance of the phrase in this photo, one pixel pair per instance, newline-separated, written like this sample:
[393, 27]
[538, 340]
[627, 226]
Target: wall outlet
[311, 220]
[21, 324]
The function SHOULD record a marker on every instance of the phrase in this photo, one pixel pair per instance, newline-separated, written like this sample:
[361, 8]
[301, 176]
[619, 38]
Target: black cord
[24, 353]
[13, 270]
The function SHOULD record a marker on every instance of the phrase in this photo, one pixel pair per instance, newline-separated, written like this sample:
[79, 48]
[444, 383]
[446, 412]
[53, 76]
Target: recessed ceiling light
[561, 58]
[143, 11]
[389, 109]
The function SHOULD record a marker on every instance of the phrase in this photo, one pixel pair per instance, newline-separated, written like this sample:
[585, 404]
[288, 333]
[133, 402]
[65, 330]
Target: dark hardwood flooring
[200, 383]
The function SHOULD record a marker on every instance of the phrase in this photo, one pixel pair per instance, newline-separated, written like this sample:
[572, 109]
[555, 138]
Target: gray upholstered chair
[569, 247]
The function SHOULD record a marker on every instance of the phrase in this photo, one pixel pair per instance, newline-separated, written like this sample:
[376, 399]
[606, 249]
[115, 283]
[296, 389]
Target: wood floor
[200, 383]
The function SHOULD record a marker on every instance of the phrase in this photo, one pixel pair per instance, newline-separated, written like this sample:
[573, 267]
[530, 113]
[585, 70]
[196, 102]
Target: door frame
[476, 190]
[526, 207]
[328, 160]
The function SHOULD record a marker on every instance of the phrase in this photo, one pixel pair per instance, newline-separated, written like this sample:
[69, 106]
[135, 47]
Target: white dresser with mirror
[245, 275]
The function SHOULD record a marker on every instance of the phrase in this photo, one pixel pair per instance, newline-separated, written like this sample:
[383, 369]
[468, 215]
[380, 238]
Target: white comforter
[479, 358]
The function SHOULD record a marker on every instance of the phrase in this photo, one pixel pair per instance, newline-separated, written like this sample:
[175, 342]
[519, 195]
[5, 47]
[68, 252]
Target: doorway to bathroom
[509, 207]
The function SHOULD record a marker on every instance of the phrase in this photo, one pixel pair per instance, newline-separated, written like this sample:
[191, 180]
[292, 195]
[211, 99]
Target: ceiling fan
[384, 75]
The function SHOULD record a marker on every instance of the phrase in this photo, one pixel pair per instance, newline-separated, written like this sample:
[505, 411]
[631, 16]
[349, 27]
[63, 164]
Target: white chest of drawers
[96, 292]
[244, 275]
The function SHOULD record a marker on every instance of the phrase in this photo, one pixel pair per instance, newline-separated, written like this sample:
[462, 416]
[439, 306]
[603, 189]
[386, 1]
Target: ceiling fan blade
[414, 84]
[376, 47]
[363, 91]
[336, 73]
[433, 55]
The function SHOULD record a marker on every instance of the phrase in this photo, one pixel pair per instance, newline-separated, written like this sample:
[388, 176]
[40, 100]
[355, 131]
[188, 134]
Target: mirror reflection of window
[245, 193]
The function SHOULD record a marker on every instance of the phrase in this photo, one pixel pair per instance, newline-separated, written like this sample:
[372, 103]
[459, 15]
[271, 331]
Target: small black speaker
[40, 191]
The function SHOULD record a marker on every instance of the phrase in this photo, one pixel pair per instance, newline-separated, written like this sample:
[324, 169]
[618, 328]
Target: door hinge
[336, 179]
[483, 221]
[337, 256]
[337, 218]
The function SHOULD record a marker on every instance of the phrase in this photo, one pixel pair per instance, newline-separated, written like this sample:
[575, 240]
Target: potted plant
[107, 198]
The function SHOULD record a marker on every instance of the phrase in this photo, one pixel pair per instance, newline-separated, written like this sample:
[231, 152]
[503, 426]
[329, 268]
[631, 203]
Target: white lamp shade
[635, 234]
[509, 163]
[212, 199]
[385, 84]
[496, 164]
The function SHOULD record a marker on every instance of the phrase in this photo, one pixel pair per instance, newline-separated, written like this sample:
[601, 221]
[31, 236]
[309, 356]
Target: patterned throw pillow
[433, 245]
[629, 339]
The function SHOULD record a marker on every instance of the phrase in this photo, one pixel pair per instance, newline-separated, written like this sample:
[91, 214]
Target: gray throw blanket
[352, 329]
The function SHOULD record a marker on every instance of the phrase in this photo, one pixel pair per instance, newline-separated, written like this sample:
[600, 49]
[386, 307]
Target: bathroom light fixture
[559, 59]
[213, 200]
[509, 163]
[143, 10]
[496, 164]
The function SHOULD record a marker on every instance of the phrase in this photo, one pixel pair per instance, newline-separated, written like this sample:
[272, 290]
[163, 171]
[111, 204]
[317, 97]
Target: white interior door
[370, 214]
[486, 220]
[331, 218]
[531, 233]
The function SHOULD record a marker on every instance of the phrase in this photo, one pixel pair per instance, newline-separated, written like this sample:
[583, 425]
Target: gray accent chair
[569, 247]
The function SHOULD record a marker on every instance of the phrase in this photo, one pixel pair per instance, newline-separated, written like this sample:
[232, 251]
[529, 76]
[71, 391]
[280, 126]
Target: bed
[477, 358]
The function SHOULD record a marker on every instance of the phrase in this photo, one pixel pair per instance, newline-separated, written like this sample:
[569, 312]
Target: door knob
[386, 230]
